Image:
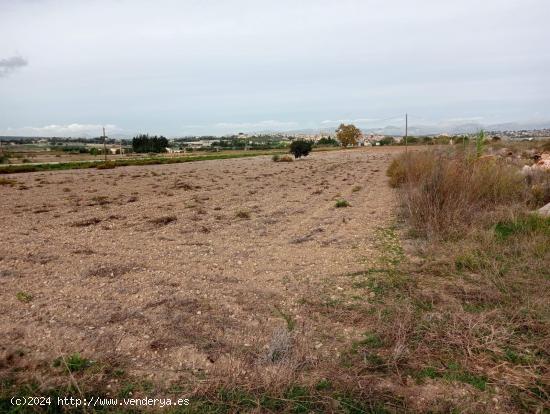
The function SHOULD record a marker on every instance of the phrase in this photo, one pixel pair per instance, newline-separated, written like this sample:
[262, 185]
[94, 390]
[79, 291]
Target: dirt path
[170, 270]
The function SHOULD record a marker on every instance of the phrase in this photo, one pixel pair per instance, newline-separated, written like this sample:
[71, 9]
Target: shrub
[443, 192]
[73, 363]
[480, 143]
[162, 221]
[301, 148]
[7, 181]
[24, 297]
[284, 158]
[106, 165]
[342, 203]
[329, 142]
[387, 141]
[243, 214]
[275, 158]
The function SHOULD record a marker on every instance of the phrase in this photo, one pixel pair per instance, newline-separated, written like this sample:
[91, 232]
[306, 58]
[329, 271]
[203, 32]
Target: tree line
[145, 143]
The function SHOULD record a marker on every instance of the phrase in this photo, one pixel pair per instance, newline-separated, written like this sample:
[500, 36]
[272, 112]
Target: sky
[194, 67]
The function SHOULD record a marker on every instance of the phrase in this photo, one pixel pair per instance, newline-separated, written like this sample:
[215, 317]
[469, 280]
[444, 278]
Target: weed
[290, 321]
[106, 165]
[242, 214]
[280, 346]
[454, 372]
[371, 340]
[108, 270]
[7, 181]
[24, 297]
[442, 194]
[480, 143]
[341, 203]
[284, 158]
[531, 223]
[323, 384]
[163, 220]
[73, 362]
[87, 222]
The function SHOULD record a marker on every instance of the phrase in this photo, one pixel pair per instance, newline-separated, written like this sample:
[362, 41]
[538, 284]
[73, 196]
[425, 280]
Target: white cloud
[70, 130]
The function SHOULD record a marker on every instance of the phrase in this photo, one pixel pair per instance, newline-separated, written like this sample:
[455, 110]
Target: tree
[300, 148]
[327, 141]
[145, 143]
[348, 134]
[387, 141]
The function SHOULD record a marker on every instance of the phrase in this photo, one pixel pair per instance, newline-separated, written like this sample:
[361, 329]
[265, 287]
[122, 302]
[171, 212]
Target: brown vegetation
[482, 274]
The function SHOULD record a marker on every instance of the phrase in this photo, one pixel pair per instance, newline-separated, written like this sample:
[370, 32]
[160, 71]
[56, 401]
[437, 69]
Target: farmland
[243, 284]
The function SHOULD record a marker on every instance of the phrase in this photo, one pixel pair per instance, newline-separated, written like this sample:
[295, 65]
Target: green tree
[145, 143]
[387, 141]
[300, 148]
[348, 134]
[327, 141]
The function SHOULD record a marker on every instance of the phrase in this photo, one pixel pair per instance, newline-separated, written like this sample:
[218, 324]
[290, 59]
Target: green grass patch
[372, 340]
[532, 223]
[456, 373]
[24, 297]
[74, 362]
[341, 203]
[290, 321]
[453, 373]
[19, 168]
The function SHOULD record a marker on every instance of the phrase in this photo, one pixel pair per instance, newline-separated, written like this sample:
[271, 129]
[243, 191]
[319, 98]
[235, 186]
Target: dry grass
[7, 181]
[242, 214]
[480, 301]
[162, 221]
[284, 158]
[87, 222]
[443, 192]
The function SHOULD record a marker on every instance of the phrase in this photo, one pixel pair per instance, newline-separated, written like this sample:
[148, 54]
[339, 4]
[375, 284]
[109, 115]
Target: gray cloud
[11, 64]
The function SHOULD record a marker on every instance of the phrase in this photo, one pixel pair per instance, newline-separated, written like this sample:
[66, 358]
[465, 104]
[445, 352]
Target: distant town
[244, 141]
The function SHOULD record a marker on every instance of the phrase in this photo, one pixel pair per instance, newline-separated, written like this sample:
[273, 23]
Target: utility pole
[406, 130]
[104, 144]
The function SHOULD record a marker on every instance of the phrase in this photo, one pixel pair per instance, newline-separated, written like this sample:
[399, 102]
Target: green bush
[342, 203]
[301, 148]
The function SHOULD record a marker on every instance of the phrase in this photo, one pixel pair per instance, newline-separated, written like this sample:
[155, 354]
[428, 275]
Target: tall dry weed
[443, 193]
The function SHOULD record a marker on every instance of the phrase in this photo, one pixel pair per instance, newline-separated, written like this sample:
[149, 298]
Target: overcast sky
[198, 67]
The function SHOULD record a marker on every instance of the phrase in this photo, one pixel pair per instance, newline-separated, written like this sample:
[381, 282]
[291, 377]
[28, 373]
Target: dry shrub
[86, 222]
[108, 165]
[7, 181]
[162, 221]
[284, 158]
[109, 270]
[182, 185]
[539, 186]
[442, 193]
[273, 368]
